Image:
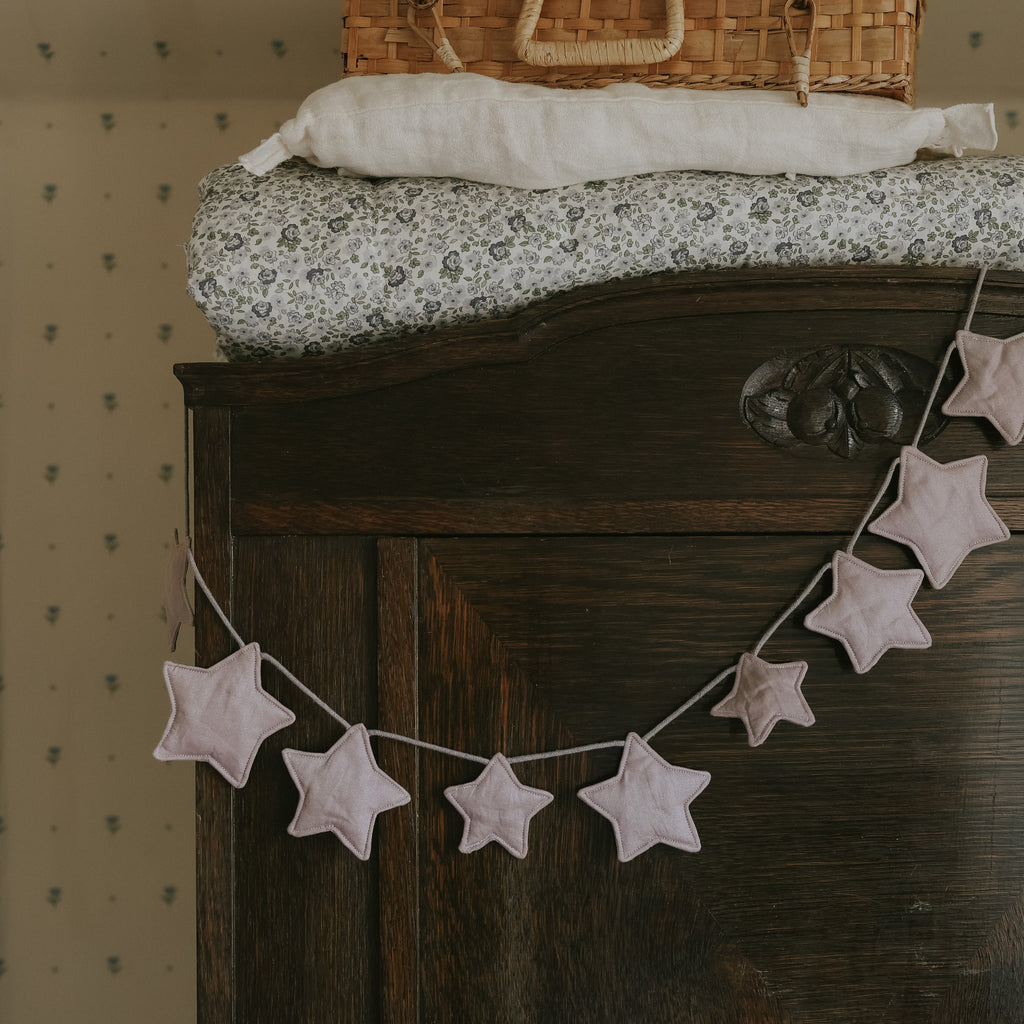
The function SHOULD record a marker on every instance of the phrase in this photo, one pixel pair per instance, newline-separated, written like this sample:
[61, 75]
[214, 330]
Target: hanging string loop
[801, 58]
[444, 49]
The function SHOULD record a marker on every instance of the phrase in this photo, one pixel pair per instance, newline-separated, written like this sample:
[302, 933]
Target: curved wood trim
[545, 324]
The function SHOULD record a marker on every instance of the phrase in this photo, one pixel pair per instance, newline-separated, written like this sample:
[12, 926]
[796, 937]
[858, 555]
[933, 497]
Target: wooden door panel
[304, 910]
[850, 872]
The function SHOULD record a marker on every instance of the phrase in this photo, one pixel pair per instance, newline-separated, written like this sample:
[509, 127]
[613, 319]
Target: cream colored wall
[110, 112]
[104, 133]
[969, 53]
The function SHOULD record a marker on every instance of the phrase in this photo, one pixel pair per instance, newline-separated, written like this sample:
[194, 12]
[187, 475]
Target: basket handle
[597, 52]
[801, 60]
[444, 49]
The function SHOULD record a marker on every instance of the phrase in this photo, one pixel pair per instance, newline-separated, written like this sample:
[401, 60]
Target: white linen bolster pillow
[531, 136]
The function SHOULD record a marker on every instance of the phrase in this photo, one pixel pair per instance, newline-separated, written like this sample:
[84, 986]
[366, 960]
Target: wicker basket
[862, 46]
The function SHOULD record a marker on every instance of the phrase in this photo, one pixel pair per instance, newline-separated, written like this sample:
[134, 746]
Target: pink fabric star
[648, 802]
[220, 714]
[342, 791]
[177, 607]
[764, 694]
[993, 382]
[497, 807]
[941, 513]
[869, 611]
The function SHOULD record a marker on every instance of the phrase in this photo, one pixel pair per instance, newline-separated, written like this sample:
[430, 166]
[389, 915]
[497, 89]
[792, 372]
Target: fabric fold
[266, 156]
[968, 126]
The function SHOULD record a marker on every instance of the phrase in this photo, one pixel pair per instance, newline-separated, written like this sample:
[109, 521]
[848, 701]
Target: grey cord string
[422, 744]
[201, 583]
[684, 707]
[797, 601]
[974, 298]
[968, 320]
[295, 681]
[936, 384]
[723, 675]
[586, 748]
[879, 494]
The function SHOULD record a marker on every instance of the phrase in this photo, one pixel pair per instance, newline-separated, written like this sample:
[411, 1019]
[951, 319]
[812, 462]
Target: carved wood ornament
[841, 399]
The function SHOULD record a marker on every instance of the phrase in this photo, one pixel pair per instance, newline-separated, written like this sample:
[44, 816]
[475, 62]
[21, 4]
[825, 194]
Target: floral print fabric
[304, 262]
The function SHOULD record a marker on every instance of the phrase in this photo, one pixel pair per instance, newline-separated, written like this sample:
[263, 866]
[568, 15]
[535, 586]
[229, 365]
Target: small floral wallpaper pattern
[105, 133]
[95, 845]
[110, 114]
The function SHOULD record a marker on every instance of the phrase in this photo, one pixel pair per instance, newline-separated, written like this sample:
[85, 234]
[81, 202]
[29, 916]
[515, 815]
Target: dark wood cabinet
[551, 531]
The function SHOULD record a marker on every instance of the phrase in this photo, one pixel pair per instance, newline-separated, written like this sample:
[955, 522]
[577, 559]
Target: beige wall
[110, 112]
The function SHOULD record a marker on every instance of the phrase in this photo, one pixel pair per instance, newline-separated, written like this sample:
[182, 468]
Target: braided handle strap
[801, 59]
[597, 52]
[444, 50]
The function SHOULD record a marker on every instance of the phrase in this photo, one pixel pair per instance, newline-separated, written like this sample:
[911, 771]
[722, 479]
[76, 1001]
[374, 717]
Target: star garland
[222, 714]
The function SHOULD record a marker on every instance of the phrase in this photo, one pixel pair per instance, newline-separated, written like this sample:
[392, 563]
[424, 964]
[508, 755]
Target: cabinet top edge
[544, 324]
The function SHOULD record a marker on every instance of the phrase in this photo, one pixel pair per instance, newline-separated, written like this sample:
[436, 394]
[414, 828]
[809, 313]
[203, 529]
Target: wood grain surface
[850, 869]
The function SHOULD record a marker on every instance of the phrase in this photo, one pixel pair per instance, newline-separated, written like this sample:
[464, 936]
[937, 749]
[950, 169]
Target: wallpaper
[110, 113]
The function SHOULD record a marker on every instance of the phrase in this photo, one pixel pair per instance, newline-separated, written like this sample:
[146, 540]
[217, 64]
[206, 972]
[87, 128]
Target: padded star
[764, 694]
[177, 607]
[497, 807]
[993, 382]
[342, 791]
[648, 802]
[220, 714]
[869, 611]
[941, 513]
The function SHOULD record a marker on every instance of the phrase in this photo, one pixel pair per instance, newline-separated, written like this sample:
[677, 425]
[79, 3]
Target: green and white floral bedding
[303, 262]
